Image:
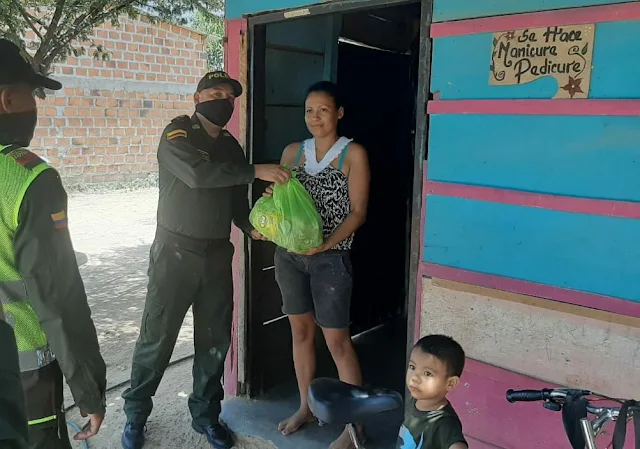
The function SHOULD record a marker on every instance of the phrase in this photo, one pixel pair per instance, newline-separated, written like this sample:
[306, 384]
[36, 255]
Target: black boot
[133, 436]
[217, 435]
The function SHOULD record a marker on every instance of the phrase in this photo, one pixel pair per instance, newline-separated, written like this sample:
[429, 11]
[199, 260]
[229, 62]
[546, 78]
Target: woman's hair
[327, 88]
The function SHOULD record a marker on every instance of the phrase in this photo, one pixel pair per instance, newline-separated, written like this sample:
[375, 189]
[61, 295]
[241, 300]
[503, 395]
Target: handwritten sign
[563, 52]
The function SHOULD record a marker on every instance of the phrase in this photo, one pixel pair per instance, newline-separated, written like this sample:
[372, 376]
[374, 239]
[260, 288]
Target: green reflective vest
[18, 169]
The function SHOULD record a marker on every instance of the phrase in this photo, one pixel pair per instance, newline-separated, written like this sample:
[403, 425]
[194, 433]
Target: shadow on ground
[116, 284]
[112, 232]
[382, 357]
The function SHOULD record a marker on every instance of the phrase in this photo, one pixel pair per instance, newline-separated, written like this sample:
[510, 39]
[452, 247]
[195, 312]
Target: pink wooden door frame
[232, 51]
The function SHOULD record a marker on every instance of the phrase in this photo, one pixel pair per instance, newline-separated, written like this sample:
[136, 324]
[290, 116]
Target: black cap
[15, 68]
[213, 79]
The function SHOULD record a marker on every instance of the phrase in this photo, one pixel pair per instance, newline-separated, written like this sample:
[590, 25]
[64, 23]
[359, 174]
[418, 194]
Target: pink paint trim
[422, 273]
[536, 107]
[423, 212]
[571, 16]
[611, 208]
[235, 28]
[490, 422]
[584, 299]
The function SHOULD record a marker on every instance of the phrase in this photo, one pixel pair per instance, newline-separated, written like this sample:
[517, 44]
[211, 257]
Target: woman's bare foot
[293, 423]
[344, 440]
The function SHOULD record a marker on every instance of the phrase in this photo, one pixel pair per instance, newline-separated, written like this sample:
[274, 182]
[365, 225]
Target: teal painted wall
[461, 67]
[589, 157]
[591, 253]
[571, 156]
[446, 10]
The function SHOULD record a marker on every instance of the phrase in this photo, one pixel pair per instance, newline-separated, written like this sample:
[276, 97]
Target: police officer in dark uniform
[13, 420]
[41, 291]
[203, 177]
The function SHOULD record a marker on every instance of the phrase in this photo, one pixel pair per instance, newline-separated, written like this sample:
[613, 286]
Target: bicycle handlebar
[555, 399]
[528, 395]
[559, 396]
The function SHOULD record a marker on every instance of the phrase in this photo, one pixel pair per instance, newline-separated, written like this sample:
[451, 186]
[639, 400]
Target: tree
[213, 26]
[59, 25]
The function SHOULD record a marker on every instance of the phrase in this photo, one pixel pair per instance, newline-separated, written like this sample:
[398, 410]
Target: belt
[198, 246]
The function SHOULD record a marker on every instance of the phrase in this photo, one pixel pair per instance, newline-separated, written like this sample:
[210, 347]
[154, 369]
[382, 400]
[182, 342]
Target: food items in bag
[288, 217]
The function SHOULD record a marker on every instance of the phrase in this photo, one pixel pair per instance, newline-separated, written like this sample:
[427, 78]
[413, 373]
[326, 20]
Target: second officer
[203, 178]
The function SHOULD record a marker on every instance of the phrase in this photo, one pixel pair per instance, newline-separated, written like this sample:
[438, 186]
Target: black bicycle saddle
[336, 402]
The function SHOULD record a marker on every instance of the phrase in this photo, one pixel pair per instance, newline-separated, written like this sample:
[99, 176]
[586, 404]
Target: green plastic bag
[288, 218]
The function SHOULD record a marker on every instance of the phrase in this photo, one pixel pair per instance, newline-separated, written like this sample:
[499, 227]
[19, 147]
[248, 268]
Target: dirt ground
[112, 231]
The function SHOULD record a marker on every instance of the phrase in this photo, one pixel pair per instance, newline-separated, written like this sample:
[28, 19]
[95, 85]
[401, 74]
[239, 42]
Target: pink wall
[235, 28]
[491, 422]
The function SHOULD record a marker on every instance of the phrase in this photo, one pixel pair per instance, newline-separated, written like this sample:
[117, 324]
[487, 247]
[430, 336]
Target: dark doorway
[371, 55]
[378, 102]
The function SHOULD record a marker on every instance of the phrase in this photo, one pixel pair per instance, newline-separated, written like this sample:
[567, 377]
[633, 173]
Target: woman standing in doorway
[316, 286]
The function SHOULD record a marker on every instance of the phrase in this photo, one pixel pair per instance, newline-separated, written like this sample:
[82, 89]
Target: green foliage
[60, 24]
[213, 27]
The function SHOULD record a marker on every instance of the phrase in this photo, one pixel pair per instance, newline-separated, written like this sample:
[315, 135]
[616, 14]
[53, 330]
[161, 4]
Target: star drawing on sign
[511, 35]
[573, 86]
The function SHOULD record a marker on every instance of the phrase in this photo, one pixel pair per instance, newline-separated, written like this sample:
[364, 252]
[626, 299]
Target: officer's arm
[46, 260]
[240, 195]
[241, 209]
[179, 156]
[13, 420]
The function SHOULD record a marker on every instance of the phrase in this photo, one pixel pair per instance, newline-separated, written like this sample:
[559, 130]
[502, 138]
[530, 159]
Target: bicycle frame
[588, 433]
[354, 436]
[592, 428]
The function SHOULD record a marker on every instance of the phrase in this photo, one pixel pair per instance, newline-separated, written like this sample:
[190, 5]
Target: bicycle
[334, 402]
[576, 406]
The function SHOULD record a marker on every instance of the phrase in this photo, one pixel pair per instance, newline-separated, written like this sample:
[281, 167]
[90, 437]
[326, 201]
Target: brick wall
[104, 125]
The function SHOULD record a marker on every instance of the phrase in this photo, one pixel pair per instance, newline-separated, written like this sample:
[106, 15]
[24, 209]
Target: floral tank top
[329, 189]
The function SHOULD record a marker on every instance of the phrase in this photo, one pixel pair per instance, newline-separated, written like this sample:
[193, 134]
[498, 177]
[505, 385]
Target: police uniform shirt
[203, 182]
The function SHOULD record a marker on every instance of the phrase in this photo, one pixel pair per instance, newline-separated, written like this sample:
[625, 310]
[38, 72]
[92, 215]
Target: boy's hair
[445, 349]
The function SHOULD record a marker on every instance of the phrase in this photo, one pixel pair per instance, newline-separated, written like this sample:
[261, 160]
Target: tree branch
[209, 7]
[53, 27]
[80, 26]
[27, 17]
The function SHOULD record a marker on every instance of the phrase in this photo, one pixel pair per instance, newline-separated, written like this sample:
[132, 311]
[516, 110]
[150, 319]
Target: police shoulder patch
[174, 134]
[26, 158]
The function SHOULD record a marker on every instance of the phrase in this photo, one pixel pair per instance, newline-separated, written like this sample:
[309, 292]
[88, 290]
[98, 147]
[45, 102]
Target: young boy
[430, 422]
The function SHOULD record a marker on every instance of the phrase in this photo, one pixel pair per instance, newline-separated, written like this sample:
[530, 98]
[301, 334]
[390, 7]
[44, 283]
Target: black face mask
[217, 112]
[18, 128]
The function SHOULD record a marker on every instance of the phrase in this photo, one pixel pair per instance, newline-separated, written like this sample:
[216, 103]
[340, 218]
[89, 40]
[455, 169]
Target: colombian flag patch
[176, 133]
[59, 219]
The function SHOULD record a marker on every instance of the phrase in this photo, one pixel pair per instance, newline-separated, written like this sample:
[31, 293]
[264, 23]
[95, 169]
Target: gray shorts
[321, 284]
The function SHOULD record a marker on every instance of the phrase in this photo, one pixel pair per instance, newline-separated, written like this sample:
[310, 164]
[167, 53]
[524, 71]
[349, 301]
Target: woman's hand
[255, 235]
[268, 192]
[320, 249]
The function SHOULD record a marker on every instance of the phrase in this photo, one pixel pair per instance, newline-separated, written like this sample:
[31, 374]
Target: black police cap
[213, 79]
[15, 68]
